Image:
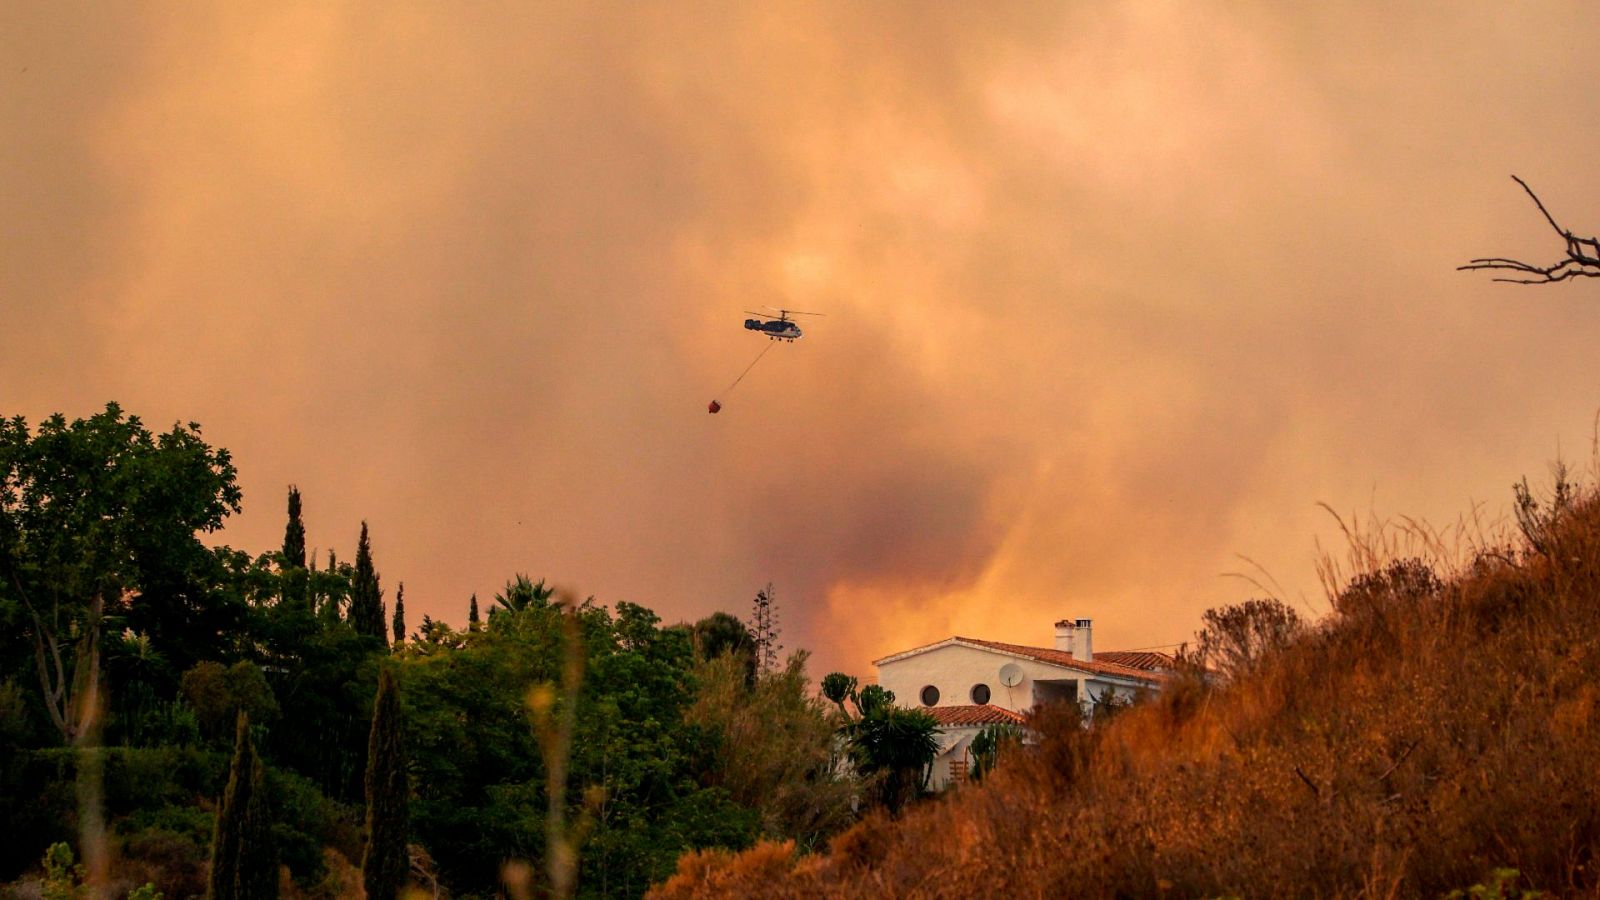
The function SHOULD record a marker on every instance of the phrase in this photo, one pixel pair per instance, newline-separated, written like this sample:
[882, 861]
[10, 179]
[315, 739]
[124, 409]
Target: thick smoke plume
[1113, 291]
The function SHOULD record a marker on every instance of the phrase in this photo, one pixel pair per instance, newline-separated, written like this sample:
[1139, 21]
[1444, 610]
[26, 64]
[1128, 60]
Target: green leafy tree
[473, 622]
[218, 694]
[432, 636]
[473, 755]
[244, 863]
[722, 634]
[327, 693]
[366, 596]
[385, 863]
[635, 794]
[16, 725]
[320, 672]
[141, 675]
[775, 748]
[331, 589]
[98, 518]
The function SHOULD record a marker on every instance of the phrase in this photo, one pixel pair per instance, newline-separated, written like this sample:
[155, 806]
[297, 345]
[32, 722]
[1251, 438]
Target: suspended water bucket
[714, 407]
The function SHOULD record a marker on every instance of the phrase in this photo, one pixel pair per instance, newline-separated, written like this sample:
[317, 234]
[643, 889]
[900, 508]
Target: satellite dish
[1010, 674]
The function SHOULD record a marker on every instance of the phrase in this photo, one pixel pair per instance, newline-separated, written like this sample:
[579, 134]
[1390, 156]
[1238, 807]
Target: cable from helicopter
[779, 328]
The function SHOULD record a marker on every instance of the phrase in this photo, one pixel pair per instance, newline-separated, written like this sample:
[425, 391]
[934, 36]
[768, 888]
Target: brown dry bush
[1430, 731]
[747, 874]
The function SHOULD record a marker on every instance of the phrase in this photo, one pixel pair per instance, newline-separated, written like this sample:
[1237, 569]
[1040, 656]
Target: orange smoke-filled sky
[1114, 291]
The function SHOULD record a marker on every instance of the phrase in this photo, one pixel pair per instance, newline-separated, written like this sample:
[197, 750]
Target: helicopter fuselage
[777, 329]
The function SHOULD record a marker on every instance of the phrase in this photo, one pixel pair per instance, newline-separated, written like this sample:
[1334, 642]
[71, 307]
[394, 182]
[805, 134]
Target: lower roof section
[974, 714]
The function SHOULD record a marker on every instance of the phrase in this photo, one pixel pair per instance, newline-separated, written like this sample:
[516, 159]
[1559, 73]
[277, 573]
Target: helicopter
[781, 328]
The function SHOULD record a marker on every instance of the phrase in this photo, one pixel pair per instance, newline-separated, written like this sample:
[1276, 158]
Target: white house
[967, 684]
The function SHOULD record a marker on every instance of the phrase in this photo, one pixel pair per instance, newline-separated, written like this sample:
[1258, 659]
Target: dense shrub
[167, 847]
[306, 824]
[41, 805]
[160, 800]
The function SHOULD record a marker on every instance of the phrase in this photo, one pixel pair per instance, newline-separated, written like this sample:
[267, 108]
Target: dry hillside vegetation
[1428, 733]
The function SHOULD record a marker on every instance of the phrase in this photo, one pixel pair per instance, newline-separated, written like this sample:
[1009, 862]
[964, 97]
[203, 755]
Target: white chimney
[1085, 641]
[1064, 635]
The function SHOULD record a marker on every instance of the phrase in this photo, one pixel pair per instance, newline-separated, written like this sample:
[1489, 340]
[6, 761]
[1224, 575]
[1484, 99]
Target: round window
[930, 696]
[980, 693]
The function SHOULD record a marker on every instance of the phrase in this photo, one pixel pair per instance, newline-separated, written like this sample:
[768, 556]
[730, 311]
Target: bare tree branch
[1583, 255]
[1315, 791]
[1396, 764]
[52, 693]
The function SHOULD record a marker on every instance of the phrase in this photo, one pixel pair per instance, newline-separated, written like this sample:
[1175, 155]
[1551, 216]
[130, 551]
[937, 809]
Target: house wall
[954, 670]
[939, 775]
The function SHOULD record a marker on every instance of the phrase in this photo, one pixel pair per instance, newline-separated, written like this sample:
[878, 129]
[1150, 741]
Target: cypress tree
[294, 534]
[329, 598]
[473, 623]
[385, 863]
[244, 863]
[297, 581]
[366, 597]
[400, 614]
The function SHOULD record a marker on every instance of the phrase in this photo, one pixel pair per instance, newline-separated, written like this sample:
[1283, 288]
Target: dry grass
[1430, 731]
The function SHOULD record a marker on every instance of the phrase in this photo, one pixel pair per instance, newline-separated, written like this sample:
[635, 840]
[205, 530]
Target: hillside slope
[1427, 734]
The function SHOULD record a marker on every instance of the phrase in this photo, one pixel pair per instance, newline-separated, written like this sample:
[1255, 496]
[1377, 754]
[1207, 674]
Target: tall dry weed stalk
[554, 710]
[89, 782]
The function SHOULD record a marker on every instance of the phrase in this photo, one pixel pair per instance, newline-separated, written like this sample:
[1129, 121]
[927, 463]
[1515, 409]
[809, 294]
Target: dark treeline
[130, 650]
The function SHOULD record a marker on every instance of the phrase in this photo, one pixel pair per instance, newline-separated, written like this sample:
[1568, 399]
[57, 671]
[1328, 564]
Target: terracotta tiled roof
[1137, 659]
[986, 714]
[1063, 658]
